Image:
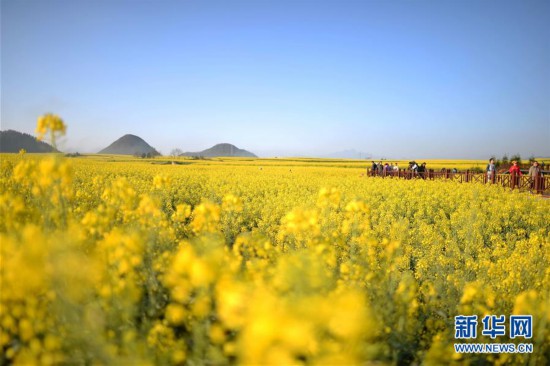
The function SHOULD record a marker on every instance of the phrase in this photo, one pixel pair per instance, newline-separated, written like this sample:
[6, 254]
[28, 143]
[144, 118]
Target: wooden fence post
[538, 184]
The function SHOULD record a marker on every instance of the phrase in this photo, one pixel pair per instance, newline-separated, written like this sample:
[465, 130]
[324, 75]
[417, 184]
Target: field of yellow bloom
[116, 260]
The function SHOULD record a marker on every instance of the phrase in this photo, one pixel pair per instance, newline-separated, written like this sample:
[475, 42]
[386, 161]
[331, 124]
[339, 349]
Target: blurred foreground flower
[52, 124]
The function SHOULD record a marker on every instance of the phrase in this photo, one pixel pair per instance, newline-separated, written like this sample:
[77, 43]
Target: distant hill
[221, 150]
[129, 145]
[13, 141]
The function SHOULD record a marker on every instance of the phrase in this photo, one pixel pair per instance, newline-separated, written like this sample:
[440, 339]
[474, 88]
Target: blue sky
[412, 79]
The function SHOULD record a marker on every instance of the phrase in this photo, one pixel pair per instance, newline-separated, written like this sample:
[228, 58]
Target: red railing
[540, 184]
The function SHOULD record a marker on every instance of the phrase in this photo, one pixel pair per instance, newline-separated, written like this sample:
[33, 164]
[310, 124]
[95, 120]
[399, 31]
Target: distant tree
[176, 152]
[497, 162]
[516, 157]
[531, 159]
[505, 159]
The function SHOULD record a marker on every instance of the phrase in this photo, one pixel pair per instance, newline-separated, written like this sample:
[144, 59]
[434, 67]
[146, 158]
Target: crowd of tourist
[416, 170]
[393, 169]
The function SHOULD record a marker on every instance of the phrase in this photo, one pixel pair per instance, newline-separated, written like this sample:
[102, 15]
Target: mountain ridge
[222, 150]
[12, 141]
[129, 145]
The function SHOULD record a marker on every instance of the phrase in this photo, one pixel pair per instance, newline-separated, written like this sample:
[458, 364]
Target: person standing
[491, 170]
[514, 169]
[515, 174]
[422, 170]
[414, 168]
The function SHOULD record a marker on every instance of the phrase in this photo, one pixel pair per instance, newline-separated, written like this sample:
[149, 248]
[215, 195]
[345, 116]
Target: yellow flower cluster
[27, 330]
[52, 124]
[232, 203]
[161, 181]
[134, 263]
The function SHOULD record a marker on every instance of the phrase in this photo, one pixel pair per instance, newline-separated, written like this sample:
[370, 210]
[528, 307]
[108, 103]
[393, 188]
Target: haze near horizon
[431, 79]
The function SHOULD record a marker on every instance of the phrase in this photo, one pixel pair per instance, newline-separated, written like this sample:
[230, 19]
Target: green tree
[516, 157]
[505, 159]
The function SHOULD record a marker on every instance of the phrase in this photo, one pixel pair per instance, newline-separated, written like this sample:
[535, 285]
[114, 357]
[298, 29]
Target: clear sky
[413, 79]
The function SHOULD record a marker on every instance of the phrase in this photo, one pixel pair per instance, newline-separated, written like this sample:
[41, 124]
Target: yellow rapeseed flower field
[116, 260]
